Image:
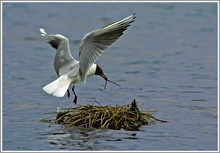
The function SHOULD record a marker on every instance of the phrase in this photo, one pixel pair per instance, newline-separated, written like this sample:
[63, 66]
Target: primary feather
[94, 43]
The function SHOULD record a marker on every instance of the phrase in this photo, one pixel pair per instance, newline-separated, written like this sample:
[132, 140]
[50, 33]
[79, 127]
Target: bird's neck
[91, 70]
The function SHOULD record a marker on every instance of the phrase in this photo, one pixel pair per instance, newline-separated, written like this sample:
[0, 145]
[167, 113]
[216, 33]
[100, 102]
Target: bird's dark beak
[104, 77]
[100, 72]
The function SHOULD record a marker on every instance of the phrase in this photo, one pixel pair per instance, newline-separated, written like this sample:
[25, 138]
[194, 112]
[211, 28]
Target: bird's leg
[75, 98]
[68, 93]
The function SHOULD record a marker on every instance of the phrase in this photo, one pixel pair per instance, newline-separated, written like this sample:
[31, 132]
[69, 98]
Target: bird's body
[92, 45]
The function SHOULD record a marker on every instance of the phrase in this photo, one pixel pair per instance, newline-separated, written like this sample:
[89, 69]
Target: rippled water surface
[166, 60]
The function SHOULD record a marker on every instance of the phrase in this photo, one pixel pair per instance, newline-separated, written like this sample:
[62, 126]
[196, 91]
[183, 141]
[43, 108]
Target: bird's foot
[75, 100]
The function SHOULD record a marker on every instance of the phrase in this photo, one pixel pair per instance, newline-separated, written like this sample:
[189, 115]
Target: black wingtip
[134, 15]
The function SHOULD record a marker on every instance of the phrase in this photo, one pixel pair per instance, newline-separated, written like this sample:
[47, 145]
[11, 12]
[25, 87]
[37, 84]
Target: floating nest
[126, 117]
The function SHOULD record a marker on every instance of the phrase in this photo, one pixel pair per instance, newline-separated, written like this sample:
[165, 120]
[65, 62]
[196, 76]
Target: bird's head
[100, 72]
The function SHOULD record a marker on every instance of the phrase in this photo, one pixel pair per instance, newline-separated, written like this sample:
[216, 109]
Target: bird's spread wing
[64, 61]
[94, 43]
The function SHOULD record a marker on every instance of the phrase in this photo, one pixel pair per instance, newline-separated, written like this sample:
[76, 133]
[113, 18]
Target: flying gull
[91, 47]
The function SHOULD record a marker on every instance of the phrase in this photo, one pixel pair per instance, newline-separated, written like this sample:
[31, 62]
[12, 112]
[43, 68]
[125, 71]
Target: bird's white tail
[58, 87]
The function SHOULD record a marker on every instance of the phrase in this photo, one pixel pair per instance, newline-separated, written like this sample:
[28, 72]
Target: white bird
[92, 45]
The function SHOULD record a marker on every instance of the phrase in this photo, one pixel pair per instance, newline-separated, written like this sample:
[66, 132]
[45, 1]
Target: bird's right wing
[94, 43]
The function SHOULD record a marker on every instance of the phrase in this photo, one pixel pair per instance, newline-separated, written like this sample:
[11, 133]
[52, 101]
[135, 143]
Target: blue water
[167, 61]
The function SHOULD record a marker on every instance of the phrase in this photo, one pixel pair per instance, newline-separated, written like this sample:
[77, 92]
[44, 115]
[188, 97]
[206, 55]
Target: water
[166, 60]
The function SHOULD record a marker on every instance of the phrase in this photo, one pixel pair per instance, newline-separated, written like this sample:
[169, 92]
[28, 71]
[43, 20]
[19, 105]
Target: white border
[111, 2]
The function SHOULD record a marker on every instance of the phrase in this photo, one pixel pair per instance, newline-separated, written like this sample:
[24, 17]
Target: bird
[92, 46]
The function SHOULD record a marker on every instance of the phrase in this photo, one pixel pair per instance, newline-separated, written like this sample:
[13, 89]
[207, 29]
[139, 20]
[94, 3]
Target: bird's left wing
[94, 43]
[64, 60]
[71, 68]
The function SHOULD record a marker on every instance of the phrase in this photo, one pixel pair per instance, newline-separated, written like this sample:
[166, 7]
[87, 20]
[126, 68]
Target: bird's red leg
[75, 98]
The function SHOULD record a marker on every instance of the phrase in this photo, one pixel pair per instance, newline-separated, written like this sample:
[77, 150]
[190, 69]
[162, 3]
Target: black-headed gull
[92, 45]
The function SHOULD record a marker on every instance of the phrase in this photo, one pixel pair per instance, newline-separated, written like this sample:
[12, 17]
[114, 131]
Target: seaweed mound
[126, 117]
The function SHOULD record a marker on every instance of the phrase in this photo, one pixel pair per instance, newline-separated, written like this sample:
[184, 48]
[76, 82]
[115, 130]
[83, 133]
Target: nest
[126, 117]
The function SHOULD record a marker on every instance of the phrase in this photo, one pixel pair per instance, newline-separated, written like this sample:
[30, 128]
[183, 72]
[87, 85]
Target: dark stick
[111, 82]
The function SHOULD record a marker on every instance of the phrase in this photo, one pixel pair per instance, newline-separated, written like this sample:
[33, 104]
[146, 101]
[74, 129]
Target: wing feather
[64, 61]
[94, 43]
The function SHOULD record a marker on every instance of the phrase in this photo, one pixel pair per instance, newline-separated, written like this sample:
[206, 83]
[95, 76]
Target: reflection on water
[89, 139]
[167, 61]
